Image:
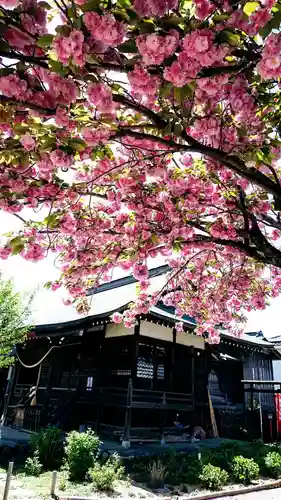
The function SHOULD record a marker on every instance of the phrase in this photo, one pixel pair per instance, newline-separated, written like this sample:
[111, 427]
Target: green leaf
[172, 20]
[57, 67]
[53, 220]
[6, 71]
[218, 18]
[91, 5]
[250, 7]
[166, 90]
[77, 144]
[63, 30]
[273, 24]
[124, 3]
[44, 41]
[177, 94]
[71, 13]
[132, 14]
[17, 245]
[45, 5]
[128, 47]
[178, 129]
[146, 27]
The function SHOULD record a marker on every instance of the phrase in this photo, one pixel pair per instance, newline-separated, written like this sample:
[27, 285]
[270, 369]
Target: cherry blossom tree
[146, 128]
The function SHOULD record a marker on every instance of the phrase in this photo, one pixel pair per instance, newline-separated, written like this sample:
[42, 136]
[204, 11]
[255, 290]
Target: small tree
[13, 317]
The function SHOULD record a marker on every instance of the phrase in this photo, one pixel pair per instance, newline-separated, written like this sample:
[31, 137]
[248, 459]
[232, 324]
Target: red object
[278, 412]
[31, 335]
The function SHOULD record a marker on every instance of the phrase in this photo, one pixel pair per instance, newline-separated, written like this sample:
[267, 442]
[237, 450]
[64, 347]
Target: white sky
[48, 306]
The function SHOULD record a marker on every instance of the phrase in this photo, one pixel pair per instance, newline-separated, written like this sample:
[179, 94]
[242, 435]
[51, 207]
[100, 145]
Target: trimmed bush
[273, 464]
[48, 443]
[33, 466]
[212, 477]
[223, 455]
[244, 469]
[104, 475]
[80, 453]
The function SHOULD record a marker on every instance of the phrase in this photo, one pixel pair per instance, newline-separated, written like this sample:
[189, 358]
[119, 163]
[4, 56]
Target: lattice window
[145, 368]
[160, 372]
[213, 384]
[89, 383]
[123, 373]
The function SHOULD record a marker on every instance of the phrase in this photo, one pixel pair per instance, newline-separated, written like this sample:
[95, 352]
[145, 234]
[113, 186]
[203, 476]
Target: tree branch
[39, 61]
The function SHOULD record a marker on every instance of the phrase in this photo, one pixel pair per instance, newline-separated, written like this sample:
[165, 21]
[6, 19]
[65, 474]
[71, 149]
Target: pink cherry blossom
[154, 7]
[146, 143]
[28, 142]
[5, 252]
[117, 317]
[142, 82]
[34, 252]
[140, 272]
[10, 4]
[60, 159]
[100, 96]
[70, 47]
[154, 48]
[105, 28]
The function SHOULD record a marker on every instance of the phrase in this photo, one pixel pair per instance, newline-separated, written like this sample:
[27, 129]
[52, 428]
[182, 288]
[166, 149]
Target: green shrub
[245, 469]
[33, 466]
[258, 451]
[157, 473]
[80, 452]
[273, 463]
[180, 467]
[183, 468]
[49, 445]
[62, 480]
[104, 475]
[212, 477]
[223, 455]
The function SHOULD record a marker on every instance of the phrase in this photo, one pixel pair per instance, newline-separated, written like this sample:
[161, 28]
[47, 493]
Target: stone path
[274, 494]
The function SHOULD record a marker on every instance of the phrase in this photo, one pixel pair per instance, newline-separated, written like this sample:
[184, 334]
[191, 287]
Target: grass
[40, 485]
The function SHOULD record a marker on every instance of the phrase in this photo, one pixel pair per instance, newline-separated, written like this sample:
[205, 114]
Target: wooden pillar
[126, 438]
[252, 397]
[171, 382]
[163, 420]
[10, 382]
[135, 353]
[99, 396]
[48, 387]
[100, 365]
[34, 399]
[193, 374]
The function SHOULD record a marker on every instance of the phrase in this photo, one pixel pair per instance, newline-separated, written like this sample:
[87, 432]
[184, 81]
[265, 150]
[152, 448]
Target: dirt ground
[38, 488]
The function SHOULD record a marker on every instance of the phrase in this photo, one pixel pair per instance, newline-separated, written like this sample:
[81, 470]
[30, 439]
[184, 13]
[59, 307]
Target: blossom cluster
[146, 134]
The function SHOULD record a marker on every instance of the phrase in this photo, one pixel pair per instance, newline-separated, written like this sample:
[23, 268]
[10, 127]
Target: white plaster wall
[277, 370]
[189, 339]
[156, 331]
[117, 330]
